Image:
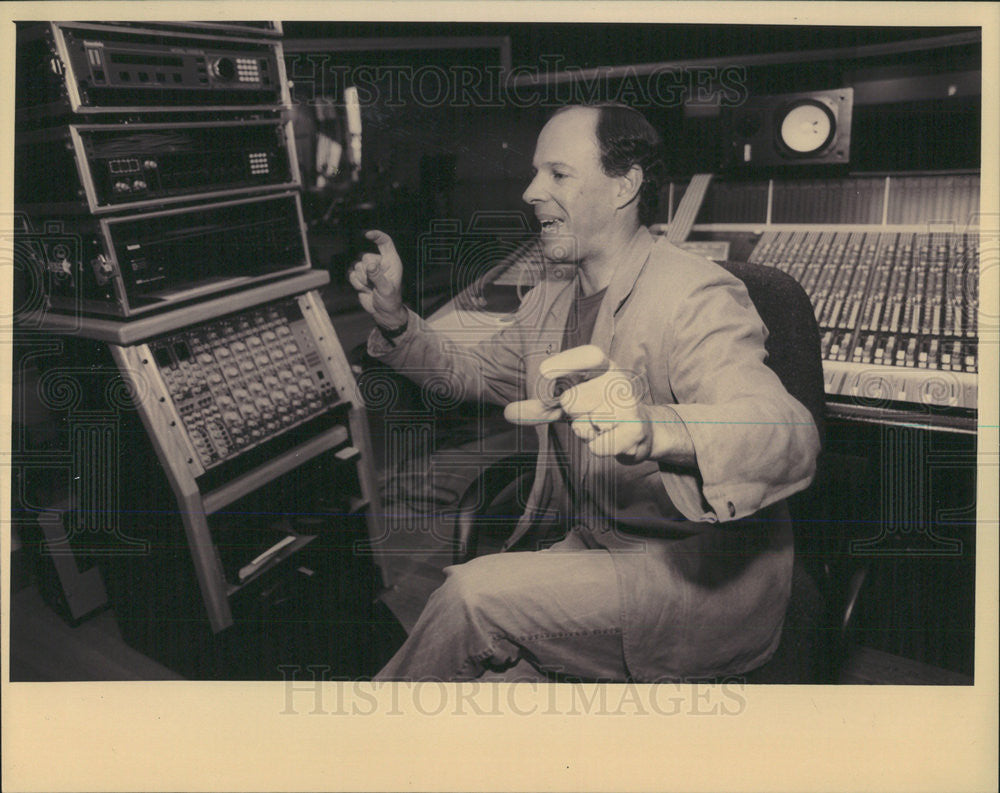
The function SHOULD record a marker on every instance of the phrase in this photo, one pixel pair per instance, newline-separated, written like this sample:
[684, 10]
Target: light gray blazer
[704, 592]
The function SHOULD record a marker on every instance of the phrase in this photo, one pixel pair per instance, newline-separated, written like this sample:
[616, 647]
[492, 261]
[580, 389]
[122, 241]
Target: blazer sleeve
[754, 443]
[491, 371]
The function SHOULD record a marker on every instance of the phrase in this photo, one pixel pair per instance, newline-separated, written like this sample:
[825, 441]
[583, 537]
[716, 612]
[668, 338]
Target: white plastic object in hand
[569, 368]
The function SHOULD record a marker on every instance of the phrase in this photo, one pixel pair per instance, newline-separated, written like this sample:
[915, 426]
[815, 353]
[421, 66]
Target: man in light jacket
[671, 448]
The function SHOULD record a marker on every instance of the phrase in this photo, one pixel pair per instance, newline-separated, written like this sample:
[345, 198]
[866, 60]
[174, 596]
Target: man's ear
[628, 186]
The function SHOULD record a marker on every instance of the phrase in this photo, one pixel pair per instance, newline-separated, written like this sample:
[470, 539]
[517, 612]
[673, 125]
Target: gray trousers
[520, 616]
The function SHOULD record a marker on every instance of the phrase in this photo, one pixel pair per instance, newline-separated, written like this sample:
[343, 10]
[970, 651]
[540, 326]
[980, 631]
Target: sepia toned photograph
[633, 364]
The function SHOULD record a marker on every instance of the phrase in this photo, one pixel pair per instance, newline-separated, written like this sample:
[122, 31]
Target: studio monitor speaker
[807, 128]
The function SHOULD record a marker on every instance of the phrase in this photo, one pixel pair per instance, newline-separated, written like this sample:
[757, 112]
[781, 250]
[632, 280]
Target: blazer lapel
[554, 309]
[553, 312]
[631, 262]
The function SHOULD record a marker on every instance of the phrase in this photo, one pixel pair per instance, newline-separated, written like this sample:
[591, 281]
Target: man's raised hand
[378, 279]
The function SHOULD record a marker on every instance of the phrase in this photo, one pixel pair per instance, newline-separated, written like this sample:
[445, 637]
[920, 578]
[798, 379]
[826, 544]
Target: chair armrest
[480, 494]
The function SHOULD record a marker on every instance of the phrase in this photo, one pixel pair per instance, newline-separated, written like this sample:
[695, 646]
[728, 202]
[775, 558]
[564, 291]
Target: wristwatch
[392, 333]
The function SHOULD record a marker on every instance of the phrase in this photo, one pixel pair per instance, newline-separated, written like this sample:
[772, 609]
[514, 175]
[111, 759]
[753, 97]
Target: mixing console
[897, 310]
[244, 378]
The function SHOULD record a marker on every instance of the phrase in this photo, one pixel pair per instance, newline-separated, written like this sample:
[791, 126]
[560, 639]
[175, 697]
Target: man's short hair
[626, 138]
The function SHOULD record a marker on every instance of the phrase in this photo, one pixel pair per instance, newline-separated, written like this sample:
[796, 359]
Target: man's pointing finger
[384, 242]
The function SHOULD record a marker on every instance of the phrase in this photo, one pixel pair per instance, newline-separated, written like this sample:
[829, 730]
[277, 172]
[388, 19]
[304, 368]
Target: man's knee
[470, 587]
[465, 582]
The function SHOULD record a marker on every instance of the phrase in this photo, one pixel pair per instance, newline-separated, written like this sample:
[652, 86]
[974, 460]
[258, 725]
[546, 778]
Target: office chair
[824, 596]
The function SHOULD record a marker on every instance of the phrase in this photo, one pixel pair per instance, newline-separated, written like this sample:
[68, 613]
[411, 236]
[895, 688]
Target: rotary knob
[103, 268]
[224, 69]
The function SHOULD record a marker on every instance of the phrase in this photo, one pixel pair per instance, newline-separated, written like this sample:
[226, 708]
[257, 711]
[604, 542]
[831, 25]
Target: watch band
[392, 333]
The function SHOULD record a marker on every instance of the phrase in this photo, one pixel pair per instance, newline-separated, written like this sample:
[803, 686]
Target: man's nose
[532, 193]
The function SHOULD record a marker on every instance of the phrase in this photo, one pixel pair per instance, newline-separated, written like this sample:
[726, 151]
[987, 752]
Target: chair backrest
[816, 626]
[793, 344]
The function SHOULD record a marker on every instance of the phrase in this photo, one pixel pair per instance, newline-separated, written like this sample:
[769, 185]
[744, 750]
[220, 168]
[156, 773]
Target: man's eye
[557, 175]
